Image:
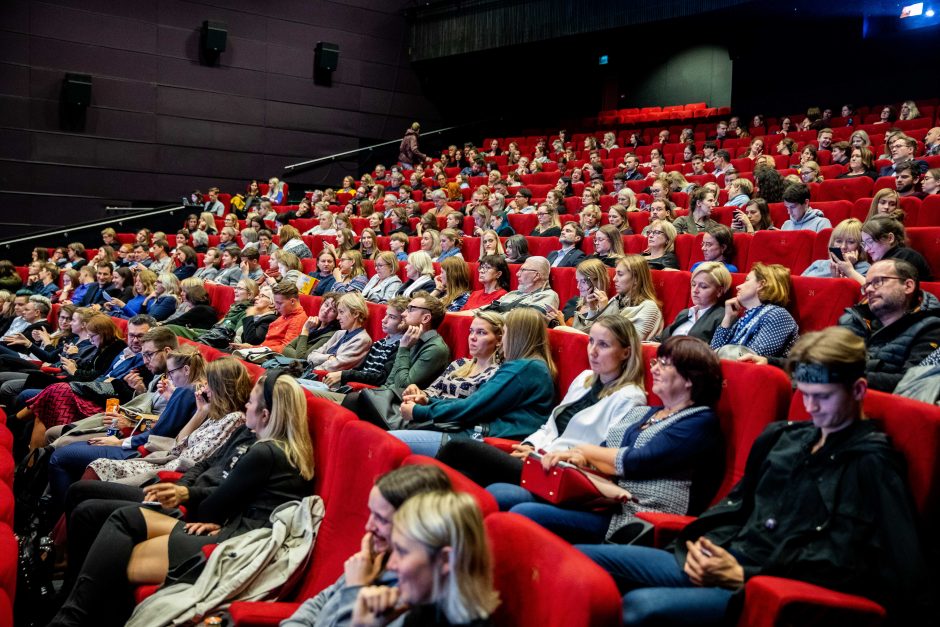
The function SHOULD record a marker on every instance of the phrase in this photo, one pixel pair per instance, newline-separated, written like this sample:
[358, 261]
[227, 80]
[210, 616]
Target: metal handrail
[303, 165]
[142, 212]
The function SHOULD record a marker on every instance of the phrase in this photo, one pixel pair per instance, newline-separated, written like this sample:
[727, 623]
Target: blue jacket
[161, 307]
[514, 403]
[179, 409]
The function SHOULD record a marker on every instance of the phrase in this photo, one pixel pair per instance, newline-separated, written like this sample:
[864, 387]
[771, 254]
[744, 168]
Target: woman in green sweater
[245, 292]
[513, 403]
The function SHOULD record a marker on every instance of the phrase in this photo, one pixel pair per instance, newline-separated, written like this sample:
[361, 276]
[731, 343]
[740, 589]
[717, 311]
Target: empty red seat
[818, 302]
[926, 241]
[929, 214]
[793, 249]
[843, 189]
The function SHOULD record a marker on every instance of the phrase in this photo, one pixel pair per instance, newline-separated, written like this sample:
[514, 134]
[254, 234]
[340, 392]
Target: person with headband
[154, 544]
[822, 501]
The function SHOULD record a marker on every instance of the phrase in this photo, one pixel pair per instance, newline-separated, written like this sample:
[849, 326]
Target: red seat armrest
[667, 526]
[209, 549]
[142, 449]
[254, 613]
[501, 443]
[169, 476]
[50, 369]
[360, 386]
[767, 597]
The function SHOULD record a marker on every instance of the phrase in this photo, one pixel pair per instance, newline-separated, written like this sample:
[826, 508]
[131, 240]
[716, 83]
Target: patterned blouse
[448, 385]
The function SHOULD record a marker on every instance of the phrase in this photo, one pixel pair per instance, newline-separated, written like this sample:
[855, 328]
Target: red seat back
[569, 351]
[221, 297]
[459, 481]
[793, 249]
[363, 453]
[325, 420]
[843, 189]
[926, 241]
[818, 302]
[455, 331]
[545, 582]
[672, 289]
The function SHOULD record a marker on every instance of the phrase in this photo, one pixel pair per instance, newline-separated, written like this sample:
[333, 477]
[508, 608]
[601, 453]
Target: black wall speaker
[76, 90]
[213, 37]
[326, 56]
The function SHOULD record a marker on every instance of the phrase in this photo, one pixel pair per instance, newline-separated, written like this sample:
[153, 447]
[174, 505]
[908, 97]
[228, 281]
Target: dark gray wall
[161, 124]
[698, 74]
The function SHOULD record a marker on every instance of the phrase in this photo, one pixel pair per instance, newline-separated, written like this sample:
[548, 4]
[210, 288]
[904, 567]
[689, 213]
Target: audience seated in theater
[288, 323]
[451, 244]
[17, 341]
[932, 142]
[755, 216]
[324, 225]
[861, 163]
[326, 264]
[900, 323]
[902, 150]
[659, 210]
[884, 238]
[377, 365]
[255, 479]
[431, 243]
[195, 309]
[701, 203]
[739, 193]
[756, 320]
[229, 271]
[710, 284]
[490, 244]
[533, 290]
[570, 254]
[755, 149]
[809, 173]
[115, 369]
[608, 245]
[717, 554]
[907, 177]
[596, 399]
[802, 217]
[661, 245]
[886, 202]
[841, 153]
[348, 346]
[385, 282]
[213, 205]
[336, 603]
[590, 219]
[511, 402]
[665, 457]
[454, 222]
[289, 238]
[635, 299]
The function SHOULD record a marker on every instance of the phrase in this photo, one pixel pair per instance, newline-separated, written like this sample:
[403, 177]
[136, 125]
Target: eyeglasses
[148, 355]
[412, 308]
[877, 282]
[662, 362]
[527, 270]
[172, 370]
[485, 268]
[657, 233]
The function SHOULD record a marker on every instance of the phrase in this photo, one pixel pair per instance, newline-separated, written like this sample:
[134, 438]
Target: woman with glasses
[350, 274]
[384, 283]
[884, 238]
[490, 244]
[661, 245]
[668, 457]
[756, 319]
[608, 245]
[494, 276]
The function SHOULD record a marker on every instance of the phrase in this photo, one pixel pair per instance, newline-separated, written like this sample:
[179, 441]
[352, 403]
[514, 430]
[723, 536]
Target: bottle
[111, 406]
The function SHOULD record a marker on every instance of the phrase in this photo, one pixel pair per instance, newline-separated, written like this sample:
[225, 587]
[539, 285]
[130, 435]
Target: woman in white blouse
[385, 282]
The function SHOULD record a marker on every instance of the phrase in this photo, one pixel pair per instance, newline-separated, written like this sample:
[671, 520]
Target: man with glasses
[899, 323]
[173, 412]
[901, 148]
[533, 290]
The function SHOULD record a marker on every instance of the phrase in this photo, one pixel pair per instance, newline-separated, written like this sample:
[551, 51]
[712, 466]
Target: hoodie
[812, 220]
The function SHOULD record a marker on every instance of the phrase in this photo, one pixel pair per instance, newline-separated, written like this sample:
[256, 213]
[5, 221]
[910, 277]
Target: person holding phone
[845, 252]
[754, 216]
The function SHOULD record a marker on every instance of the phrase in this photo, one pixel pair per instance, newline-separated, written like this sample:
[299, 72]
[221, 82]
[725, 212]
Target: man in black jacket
[570, 254]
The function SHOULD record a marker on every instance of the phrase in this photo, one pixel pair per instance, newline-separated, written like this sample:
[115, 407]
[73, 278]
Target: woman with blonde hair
[909, 111]
[809, 173]
[847, 238]
[617, 217]
[347, 347]
[886, 202]
[860, 139]
[275, 191]
[451, 245]
[442, 562]
[350, 273]
[513, 403]
[164, 299]
[661, 244]
[549, 224]
[220, 404]
[275, 469]
[678, 183]
[384, 283]
[596, 400]
[325, 224]
[756, 319]
[431, 243]
[490, 244]
[206, 223]
[635, 299]
[709, 285]
[420, 272]
[590, 219]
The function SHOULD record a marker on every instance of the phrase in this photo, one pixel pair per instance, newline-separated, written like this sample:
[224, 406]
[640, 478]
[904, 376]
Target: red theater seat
[793, 249]
[672, 289]
[460, 482]
[926, 241]
[818, 302]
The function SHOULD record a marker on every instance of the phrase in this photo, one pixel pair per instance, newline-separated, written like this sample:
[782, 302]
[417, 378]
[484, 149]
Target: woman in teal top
[516, 401]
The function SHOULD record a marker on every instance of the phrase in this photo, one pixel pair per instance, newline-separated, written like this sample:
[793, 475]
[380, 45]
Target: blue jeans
[658, 591]
[420, 441]
[68, 463]
[571, 524]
